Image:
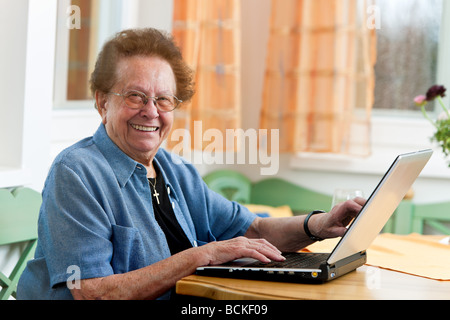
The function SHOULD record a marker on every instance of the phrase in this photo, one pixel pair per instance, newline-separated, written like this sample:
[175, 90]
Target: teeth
[142, 128]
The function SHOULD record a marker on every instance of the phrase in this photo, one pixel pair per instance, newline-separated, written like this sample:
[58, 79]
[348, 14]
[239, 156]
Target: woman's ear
[100, 104]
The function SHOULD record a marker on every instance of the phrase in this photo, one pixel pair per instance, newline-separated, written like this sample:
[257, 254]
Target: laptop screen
[381, 204]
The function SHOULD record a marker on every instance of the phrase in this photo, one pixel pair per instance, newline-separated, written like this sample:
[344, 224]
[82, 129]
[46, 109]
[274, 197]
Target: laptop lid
[380, 205]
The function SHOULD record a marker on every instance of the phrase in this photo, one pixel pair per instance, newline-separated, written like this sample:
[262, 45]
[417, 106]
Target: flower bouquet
[442, 124]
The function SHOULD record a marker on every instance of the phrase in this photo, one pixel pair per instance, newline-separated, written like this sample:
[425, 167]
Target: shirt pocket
[128, 249]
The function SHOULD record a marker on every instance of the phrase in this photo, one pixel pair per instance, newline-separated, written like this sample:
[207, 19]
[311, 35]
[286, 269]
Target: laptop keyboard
[295, 260]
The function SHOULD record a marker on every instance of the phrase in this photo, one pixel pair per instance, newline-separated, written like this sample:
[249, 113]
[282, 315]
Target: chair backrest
[230, 184]
[277, 192]
[433, 215]
[19, 210]
[413, 217]
[273, 192]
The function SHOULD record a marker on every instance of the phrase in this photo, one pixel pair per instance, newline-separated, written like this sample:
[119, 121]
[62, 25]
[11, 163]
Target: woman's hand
[288, 234]
[334, 224]
[241, 247]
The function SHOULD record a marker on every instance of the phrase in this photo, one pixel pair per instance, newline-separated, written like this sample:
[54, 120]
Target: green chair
[273, 192]
[277, 192]
[230, 184]
[19, 210]
[411, 217]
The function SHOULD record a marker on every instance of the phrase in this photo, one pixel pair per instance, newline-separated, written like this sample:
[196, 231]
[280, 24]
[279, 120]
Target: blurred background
[336, 78]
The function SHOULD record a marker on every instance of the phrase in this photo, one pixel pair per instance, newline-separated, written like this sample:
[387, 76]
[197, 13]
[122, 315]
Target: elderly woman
[124, 219]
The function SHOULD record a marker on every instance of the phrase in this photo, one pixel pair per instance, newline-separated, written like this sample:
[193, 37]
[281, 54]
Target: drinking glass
[342, 195]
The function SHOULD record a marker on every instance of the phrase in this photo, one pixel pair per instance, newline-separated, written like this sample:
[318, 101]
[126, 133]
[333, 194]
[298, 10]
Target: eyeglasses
[137, 100]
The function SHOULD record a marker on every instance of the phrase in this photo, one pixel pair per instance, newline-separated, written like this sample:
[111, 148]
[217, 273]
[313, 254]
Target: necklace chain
[155, 193]
[153, 184]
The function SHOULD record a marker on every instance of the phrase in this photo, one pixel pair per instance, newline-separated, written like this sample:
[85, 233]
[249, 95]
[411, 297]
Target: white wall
[27, 30]
[12, 80]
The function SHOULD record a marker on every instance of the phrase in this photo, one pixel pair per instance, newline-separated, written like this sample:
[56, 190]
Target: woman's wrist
[311, 225]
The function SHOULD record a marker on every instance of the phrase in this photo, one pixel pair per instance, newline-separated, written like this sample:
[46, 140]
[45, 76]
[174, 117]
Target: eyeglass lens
[137, 100]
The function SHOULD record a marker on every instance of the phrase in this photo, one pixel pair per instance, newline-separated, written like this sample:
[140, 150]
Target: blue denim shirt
[97, 216]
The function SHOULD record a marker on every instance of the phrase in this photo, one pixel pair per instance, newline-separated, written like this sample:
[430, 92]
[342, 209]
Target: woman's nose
[150, 109]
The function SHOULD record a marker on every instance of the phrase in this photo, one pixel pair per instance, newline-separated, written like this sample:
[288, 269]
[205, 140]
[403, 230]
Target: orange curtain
[208, 33]
[319, 81]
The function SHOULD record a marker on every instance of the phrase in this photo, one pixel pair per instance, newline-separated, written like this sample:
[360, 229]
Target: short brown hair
[143, 42]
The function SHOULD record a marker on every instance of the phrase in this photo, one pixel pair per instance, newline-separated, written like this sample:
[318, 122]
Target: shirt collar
[122, 165]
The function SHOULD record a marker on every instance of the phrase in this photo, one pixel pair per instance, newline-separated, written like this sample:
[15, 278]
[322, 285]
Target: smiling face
[138, 133]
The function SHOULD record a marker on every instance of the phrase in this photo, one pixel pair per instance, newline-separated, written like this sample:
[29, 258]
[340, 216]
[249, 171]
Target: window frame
[109, 13]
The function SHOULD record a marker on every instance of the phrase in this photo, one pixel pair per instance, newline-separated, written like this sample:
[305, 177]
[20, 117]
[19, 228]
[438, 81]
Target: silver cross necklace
[155, 193]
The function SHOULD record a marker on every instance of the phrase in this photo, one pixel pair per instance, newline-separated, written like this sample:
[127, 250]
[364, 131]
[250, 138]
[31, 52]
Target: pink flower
[420, 100]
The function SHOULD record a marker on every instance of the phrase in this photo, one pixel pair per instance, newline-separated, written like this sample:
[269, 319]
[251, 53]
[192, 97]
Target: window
[407, 51]
[83, 26]
[82, 49]
[73, 114]
[414, 38]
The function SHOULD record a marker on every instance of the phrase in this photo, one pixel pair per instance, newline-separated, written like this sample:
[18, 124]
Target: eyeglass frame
[147, 99]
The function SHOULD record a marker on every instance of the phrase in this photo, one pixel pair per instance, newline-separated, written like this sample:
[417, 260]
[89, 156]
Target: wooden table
[366, 283]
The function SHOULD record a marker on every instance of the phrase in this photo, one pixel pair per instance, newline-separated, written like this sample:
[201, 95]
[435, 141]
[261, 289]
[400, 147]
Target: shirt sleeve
[227, 219]
[214, 216]
[74, 230]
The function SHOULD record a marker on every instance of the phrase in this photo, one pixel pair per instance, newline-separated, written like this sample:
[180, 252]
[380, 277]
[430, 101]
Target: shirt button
[168, 190]
[139, 167]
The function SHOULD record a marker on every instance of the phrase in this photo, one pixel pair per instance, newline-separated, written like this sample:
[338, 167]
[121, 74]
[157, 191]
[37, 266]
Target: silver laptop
[350, 252]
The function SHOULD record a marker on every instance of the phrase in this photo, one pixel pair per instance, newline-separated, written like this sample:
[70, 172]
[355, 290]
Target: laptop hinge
[344, 266]
[347, 260]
